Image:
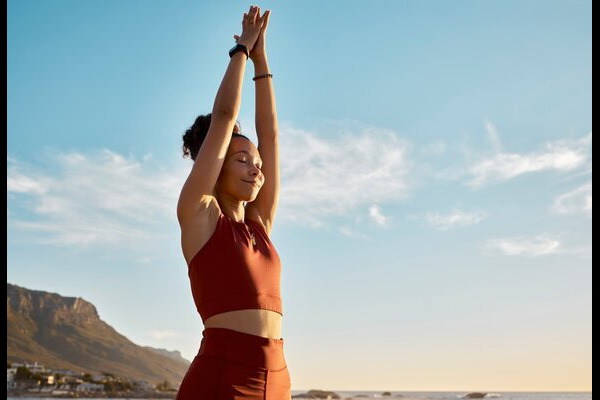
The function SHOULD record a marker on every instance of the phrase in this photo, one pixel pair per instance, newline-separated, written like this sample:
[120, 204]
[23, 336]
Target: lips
[254, 183]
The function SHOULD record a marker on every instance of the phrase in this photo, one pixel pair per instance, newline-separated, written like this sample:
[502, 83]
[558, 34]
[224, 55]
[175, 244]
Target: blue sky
[435, 214]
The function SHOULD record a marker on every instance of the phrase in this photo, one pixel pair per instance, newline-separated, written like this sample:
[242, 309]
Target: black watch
[239, 47]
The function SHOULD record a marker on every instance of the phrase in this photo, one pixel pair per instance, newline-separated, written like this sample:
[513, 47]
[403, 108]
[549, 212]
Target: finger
[248, 18]
[265, 20]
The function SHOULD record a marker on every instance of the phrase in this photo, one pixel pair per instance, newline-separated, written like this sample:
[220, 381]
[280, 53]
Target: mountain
[67, 333]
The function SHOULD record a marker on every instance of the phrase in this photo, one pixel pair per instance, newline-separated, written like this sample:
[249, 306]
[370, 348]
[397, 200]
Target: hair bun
[195, 135]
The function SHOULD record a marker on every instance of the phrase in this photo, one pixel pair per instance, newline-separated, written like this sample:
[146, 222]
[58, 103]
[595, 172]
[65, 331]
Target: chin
[247, 197]
[252, 198]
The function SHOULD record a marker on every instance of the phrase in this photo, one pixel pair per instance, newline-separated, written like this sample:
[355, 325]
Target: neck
[234, 209]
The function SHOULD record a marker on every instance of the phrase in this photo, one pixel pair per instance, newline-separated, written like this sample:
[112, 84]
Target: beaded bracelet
[262, 76]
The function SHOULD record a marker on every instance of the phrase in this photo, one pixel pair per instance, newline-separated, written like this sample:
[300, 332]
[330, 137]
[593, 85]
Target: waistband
[244, 348]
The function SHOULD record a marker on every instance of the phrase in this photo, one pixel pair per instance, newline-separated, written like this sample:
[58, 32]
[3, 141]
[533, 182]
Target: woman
[226, 211]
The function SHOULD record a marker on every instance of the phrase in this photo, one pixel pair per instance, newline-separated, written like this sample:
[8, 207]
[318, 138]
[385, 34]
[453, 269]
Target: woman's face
[241, 177]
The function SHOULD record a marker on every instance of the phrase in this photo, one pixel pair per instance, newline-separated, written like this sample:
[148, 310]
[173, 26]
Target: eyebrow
[245, 151]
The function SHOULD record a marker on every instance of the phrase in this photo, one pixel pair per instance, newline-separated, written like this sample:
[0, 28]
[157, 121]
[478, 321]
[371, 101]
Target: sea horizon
[418, 395]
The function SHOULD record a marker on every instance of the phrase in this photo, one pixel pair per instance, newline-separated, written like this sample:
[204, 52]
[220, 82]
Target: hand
[251, 26]
[259, 50]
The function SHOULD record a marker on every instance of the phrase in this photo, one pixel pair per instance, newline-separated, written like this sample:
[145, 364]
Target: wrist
[261, 66]
[239, 48]
[248, 46]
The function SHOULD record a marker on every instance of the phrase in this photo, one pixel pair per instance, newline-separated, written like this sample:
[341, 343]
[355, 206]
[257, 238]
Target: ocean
[371, 394]
[367, 394]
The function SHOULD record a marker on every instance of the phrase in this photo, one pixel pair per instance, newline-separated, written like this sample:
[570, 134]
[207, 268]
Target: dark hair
[195, 135]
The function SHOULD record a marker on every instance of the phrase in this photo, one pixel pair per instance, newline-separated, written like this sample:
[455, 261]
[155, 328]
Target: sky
[435, 213]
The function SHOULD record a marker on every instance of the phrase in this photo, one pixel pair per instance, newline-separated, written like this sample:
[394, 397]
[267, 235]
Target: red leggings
[234, 365]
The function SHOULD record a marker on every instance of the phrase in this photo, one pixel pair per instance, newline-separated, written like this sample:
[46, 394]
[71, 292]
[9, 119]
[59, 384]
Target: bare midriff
[257, 322]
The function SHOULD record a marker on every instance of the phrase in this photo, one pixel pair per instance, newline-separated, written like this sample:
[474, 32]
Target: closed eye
[258, 166]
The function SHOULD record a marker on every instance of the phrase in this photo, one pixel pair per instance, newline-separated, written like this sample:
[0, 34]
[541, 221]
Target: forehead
[243, 147]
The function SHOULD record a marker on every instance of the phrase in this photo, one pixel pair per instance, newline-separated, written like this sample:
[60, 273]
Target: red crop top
[231, 273]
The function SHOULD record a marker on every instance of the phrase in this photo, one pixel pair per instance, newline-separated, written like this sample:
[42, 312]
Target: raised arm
[265, 204]
[197, 191]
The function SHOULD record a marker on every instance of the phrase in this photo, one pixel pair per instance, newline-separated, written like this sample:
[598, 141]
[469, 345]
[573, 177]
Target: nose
[255, 171]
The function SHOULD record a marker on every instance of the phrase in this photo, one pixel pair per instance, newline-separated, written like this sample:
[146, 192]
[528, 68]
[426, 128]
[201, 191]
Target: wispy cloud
[355, 227]
[101, 198]
[19, 183]
[377, 216]
[577, 201]
[339, 174]
[454, 219]
[493, 136]
[533, 246]
[561, 155]
[105, 198]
